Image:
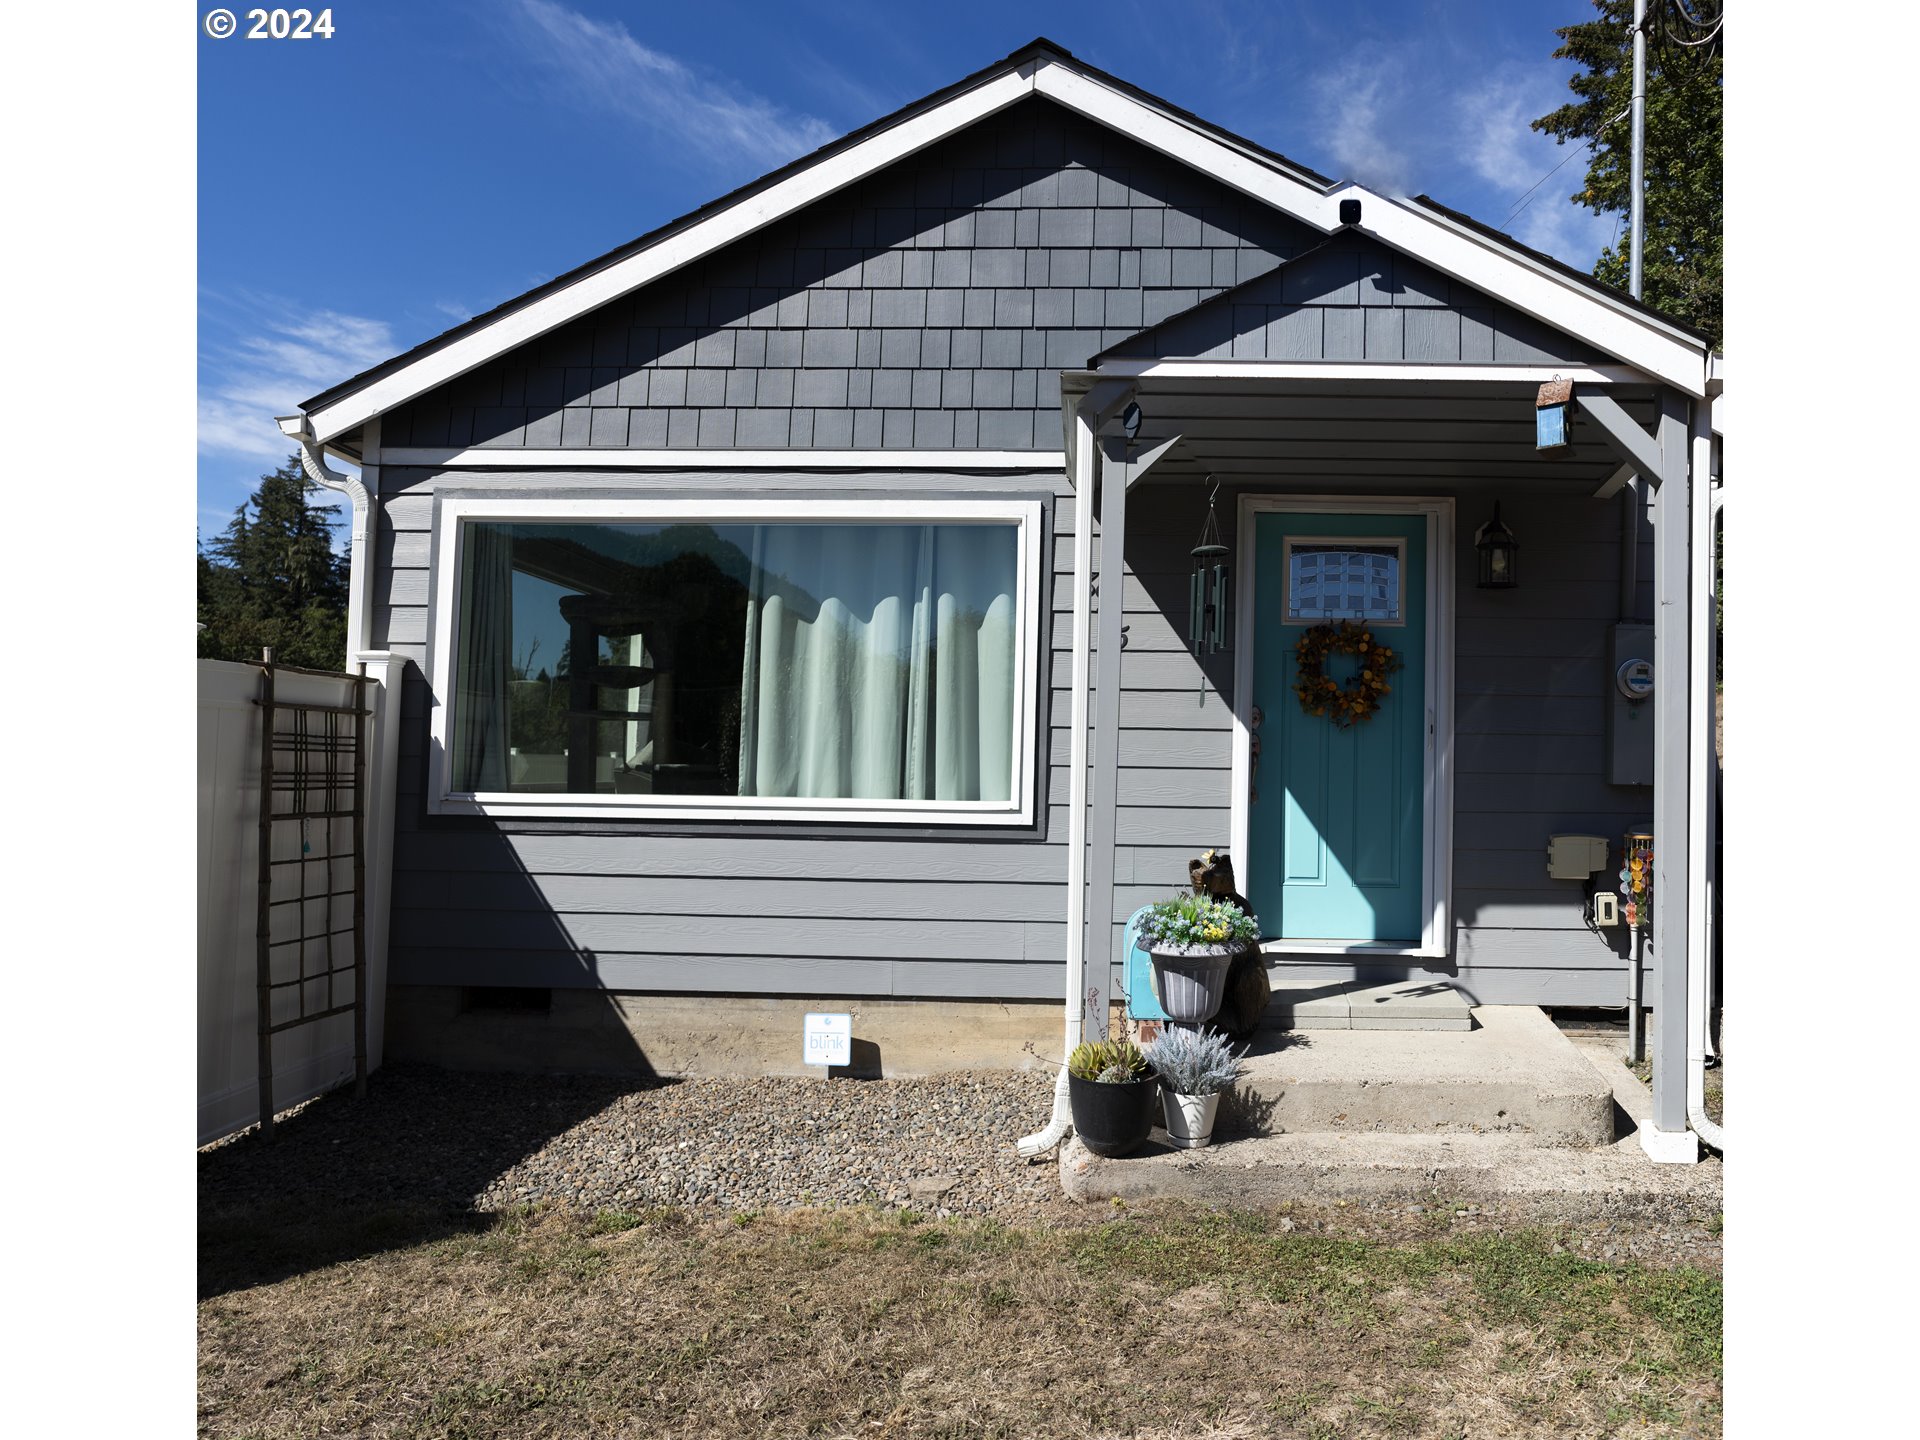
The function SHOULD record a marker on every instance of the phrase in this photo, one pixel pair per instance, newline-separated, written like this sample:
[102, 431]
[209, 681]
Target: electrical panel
[1630, 701]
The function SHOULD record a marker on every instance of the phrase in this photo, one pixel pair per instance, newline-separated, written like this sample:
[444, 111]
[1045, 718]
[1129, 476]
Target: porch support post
[1103, 822]
[1079, 682]
[1667, 1138]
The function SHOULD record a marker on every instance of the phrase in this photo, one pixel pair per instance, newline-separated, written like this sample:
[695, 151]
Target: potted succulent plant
[1111, 1090]
[1192, 940]
[1196, 1067]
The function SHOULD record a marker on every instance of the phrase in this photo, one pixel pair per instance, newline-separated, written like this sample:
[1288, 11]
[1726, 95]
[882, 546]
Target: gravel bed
[430, 1141]
[441, 1139]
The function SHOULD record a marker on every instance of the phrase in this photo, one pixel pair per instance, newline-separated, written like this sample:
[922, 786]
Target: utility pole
[1638, 233]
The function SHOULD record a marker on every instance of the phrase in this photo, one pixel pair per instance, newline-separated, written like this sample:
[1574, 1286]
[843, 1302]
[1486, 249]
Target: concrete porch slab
[1402, 1005]
[1512, 1071]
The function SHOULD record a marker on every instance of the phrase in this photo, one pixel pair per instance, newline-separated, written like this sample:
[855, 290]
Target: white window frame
[456, 513]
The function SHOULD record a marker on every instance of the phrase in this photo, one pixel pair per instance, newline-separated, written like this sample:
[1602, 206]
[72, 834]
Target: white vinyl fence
[309, 1059]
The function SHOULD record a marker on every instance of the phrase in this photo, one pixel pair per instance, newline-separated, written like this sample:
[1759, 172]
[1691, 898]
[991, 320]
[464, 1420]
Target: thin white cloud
[601, 66]
[1363, 130]
[1529, 169]
[262, 355]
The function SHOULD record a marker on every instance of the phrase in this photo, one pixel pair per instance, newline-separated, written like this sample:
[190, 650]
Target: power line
[1526, 197]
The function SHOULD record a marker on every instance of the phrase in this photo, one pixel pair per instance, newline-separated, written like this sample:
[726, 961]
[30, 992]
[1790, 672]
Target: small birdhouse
[1550, 409]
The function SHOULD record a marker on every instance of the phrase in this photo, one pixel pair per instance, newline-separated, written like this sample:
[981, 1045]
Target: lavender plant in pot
[1192, 940]
[1196, 1067]
[1111, 1091]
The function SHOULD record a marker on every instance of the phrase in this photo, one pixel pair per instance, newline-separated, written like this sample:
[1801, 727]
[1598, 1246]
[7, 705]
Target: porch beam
[1370, 371]
[1623, 434]
[1667, 1137]
[1615, 482]
[1137, 468]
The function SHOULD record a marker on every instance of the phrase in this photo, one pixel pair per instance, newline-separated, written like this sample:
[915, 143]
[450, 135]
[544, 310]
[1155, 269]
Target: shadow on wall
[411, 1162]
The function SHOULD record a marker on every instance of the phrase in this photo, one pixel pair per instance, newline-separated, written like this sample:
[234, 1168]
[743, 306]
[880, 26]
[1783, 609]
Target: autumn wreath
[1320, 694]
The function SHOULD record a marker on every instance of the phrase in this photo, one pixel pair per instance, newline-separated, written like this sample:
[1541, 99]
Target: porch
[1160, 436]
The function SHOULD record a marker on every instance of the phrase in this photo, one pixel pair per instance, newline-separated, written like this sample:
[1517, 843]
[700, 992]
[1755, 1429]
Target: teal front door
[1335, 832]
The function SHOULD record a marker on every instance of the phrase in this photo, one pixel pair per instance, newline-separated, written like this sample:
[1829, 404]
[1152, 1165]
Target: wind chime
[1636, 878]
[1207, 592]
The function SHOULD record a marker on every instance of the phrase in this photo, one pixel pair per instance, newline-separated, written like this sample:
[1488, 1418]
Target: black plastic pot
[1113, 1120]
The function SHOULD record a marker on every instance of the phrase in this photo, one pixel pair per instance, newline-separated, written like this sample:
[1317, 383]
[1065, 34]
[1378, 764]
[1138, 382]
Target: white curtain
[486, 653]
[879, 662]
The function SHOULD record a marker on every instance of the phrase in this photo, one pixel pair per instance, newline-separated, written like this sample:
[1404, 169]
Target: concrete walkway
[1407, 1113]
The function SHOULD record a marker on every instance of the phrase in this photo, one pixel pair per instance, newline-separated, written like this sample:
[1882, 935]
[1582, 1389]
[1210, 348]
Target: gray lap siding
[931, 308]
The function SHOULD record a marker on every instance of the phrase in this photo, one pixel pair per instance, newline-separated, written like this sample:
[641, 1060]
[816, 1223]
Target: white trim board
[443, 643]
[1051, 461]
[1436, 886]
[1349, 371]
[1642, 340]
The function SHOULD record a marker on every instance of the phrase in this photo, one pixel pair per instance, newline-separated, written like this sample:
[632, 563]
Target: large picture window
[724, 659]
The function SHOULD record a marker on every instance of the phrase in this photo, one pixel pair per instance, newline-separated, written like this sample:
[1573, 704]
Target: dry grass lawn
[884, 1324]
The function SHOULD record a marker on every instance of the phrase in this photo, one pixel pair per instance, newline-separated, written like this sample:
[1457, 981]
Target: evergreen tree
[1681, 261]
[272, 579]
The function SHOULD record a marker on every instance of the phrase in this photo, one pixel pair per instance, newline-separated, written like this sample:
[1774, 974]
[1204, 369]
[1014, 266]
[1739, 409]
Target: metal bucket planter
[1190, 1119]
[1191, 980]
[1112, 1120]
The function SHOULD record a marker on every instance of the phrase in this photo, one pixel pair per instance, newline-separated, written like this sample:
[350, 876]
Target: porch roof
[1436, 428]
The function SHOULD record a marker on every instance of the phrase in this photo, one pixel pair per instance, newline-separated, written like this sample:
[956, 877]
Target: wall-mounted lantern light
[1499, 554]
[1550, 410]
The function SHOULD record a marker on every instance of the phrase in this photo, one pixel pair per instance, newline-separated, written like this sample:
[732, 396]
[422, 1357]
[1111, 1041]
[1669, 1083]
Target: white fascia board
[1245, 173]
[738, 220]
[1640, 340]
[1348, 370]
[883, 460]
[1469, 258]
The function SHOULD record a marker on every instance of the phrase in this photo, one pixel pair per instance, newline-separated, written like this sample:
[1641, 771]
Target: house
[758, 593]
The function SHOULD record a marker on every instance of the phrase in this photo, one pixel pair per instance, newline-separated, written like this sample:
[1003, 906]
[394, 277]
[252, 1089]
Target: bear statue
[1248, 989]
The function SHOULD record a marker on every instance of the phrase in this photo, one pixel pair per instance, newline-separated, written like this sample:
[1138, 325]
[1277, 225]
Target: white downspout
[359, 557]
[1699, 816]
[1082, 459]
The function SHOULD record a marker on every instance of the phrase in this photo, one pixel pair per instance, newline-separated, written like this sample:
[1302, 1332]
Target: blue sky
[458, 154]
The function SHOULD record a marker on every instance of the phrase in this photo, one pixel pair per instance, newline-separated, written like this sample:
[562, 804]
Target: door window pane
[1342, 580]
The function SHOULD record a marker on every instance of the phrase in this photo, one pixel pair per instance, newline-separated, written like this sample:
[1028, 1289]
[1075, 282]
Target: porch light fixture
[1550, 409]
[1208, 590]
[1499, 554]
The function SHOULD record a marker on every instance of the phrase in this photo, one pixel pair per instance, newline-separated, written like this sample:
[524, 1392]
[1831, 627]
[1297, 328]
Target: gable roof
[1482, 258]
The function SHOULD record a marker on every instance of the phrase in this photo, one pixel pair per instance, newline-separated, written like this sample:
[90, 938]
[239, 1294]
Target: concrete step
[1511, 1072]
[1274, 1169]
[1402, 1005]
[1550, 1094]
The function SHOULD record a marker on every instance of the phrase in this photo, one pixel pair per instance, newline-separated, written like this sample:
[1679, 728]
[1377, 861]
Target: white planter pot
[1189, 1118]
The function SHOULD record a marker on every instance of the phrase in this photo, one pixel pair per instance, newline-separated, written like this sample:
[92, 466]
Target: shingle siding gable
[933, 305]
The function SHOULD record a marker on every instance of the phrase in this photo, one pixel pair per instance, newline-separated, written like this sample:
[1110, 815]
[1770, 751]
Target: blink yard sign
[829, 1039]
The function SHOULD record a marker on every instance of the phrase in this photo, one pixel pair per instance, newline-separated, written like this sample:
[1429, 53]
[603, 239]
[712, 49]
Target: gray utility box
[1630, 700]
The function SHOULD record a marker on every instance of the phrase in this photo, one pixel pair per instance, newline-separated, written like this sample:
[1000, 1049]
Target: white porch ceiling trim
[1556, 299]
[500, 458]
[1350, 371]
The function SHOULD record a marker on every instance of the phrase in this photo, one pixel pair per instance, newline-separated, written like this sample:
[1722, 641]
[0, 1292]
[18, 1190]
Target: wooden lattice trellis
[313, 767]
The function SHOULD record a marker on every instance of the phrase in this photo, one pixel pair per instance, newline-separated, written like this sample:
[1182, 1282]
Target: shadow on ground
[344, 1178]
